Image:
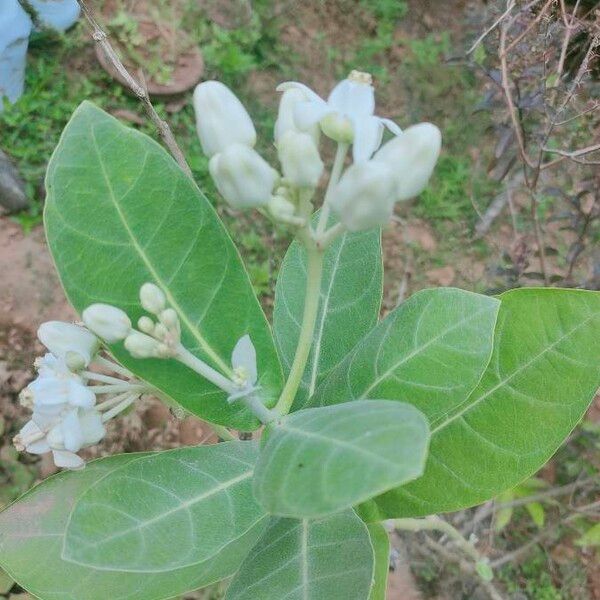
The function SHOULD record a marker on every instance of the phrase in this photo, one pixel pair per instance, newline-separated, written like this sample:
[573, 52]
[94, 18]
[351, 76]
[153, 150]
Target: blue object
[58, 14]
[15, 27]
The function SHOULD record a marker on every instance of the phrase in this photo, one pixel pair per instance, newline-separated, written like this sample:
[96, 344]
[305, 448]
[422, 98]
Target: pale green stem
[336, 171]
[311, 309]
[259, 410]
[112, 366]
[100, 377]
[126, 403]
[116, 388]
[325, 240]
[435, 523]
[194, 363]
[112, 401]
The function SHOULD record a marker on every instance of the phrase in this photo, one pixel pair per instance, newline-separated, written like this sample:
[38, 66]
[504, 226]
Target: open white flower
[347, 115]
[64, 435]
[56, 387]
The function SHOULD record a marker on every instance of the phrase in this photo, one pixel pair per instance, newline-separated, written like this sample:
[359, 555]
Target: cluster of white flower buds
[161, 338]
[66, 416]
[364, 196]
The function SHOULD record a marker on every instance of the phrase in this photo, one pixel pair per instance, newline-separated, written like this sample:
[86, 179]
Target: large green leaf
[166, 511]
[431, 351]
[321, 460]
[120, 212]
[381, 549]
[543, 373]
[32, 535]
[349, 304]
[328, 559]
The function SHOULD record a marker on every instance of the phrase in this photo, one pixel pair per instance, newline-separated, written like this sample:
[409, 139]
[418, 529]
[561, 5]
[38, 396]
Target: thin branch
[506, 87]
[140, 91]
[491, 28]
[575, 155]
[529, 28]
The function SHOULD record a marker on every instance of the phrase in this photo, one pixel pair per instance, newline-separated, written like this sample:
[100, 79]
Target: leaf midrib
[516, 372]
[201, 340]
[419, 350]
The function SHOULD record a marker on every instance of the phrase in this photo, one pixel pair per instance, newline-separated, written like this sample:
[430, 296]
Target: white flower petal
[244, 357]
[49, 391]
[71, 432]
[38, 447]
[92, 428]
[306, 114]
[67, 460]
[368, 132]
[310, 94]
[81, 395]
[352, 98]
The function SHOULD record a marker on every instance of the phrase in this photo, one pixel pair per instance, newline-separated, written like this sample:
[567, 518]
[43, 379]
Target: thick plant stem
[311, 308]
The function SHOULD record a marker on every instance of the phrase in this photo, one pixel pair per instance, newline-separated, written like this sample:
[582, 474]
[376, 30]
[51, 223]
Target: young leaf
[119, 213]
[330, 559]
[198, 500]
[349, 305]
[381, 548]
[319, 461]
[543, 374]
[431, 352]
[32, 535]
[591, 537]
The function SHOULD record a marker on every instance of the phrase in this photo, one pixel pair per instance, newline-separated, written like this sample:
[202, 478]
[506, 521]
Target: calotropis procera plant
[449, 400]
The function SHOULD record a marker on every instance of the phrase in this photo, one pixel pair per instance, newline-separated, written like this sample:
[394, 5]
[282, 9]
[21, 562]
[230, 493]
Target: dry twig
[139, 90]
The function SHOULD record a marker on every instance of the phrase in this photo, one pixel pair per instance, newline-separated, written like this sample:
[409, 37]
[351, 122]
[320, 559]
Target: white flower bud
[61, 338]
[281, 208]
[364, 197]
[221, 119]
[412, 156]
[302, 166]
[170, 318]
[285, 117]
[146, 324]
[152, 298]
[107, 322]
[141, 345]
[242, 176]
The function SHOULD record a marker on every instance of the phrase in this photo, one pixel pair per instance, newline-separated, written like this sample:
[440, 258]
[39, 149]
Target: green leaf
[196, 500]
[431, 351]
[537, 513]
[381, 548]
[120, 212]
[503, 516]
[319, 461]
[541, 378]
[351, 291]
[327, 559]
[32, 534]
[591, 537]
